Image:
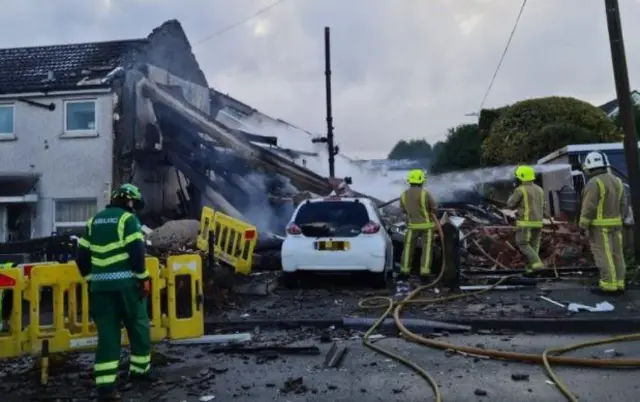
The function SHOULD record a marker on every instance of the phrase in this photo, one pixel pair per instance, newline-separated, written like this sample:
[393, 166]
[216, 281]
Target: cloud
[401, 69]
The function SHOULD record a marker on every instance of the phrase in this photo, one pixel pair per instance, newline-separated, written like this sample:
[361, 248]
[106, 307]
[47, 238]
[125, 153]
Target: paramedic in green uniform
[111, 256]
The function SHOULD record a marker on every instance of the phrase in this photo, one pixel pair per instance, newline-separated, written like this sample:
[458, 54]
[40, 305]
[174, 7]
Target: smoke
[380, 183]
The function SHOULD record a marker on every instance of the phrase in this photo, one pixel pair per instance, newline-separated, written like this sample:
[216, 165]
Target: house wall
[167, 60]
[69, 167]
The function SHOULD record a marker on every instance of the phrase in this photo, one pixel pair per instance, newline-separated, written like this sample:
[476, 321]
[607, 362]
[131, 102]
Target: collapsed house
[77, 120]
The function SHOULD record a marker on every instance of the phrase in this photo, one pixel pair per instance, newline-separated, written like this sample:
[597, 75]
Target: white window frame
[66, 133]
[12, 135]
[69, 225]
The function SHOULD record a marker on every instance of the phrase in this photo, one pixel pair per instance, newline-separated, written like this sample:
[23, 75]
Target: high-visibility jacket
[6, 265]
[604, 203]
[111, 239]
[528, 201]
[418, 205]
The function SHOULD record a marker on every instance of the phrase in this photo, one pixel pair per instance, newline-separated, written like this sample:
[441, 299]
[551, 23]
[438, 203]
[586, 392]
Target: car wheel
[290, 280]
[381, 279]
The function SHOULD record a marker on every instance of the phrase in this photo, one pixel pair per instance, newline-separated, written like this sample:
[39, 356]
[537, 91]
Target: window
[80, 116]
[72, 215]
[338, 213]
[7, 123]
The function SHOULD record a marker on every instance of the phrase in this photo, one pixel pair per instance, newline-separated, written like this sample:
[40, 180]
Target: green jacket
[111, 252]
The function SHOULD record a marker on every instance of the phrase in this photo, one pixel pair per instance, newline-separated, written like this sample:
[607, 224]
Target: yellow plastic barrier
[72, 327]
[234, 240]
[12, 279]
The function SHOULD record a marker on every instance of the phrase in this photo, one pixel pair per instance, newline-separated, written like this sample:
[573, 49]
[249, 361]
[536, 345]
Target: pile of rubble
[495, 247]
[488, 238]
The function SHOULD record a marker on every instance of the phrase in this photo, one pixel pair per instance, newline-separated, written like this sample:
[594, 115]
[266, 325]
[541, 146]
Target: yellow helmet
[416, 176]
[525, 173]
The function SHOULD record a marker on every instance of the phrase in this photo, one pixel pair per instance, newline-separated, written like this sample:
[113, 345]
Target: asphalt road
[195, 374]
[322, 299]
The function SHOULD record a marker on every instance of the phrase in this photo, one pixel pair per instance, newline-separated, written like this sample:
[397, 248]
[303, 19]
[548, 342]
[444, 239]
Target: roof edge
[78, 43]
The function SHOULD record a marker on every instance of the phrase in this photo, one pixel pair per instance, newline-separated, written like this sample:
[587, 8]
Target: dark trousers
[109, 311]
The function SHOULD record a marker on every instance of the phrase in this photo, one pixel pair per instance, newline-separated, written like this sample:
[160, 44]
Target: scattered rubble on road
[488, 240]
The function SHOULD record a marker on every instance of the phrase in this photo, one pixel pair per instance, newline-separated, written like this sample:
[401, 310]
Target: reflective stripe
[139, 364]
[608, 286]
[600, 219]
[133, 237]
[106, 379]
[428, 224]
[104, 262]
[529, 224]
[408, 238]
[112, 276]
[89, 224]
[143, 275]
[120, 244]
[140, 359]
[425, 267]
[122, 241]
[106, 372]
[608, 253]
[619, 240]
[84, 243]
[106, 366]
[526, 221]
[139, 370]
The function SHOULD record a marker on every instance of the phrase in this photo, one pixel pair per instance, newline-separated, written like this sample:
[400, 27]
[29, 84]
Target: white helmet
[595, 160]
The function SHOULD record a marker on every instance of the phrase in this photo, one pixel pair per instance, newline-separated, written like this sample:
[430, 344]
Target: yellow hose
[549, 355]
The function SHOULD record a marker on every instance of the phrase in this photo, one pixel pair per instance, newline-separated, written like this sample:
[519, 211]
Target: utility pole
[332, 149]
[625, 108]
[327, 73]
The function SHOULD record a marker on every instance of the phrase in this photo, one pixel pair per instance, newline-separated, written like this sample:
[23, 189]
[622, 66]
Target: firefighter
[528, 201]
[417, 205]
[111, 256]
[6, 301]
[604, 205]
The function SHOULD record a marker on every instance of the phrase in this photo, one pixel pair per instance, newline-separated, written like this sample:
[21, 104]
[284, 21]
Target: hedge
[533, 128]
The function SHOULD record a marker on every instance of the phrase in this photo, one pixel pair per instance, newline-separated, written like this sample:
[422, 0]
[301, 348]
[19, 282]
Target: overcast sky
[401, 68]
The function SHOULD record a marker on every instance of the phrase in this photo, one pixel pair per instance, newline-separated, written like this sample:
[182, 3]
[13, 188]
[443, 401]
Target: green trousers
[528, 242]
[110, 310]
[413, 239]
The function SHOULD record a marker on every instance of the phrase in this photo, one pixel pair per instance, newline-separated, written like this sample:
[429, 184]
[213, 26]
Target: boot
[597, 291]
[148, 378]
[426, 279]
[108, 395]
[402, 277]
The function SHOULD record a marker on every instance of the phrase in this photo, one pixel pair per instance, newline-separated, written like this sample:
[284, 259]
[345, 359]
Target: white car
[337, 234]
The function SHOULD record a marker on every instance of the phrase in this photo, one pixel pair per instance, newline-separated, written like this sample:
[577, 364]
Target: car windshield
[333, 213]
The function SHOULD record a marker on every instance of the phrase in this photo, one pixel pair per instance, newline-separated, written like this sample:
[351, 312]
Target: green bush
[533, 128]
[460, 150]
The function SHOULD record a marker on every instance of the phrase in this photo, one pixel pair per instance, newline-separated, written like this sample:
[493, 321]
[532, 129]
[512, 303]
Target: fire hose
[551, 355]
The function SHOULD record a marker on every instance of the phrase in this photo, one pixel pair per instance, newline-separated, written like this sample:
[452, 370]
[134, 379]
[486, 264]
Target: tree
[533, 128]
[460, 150]
[437, 149]
[412, 149]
